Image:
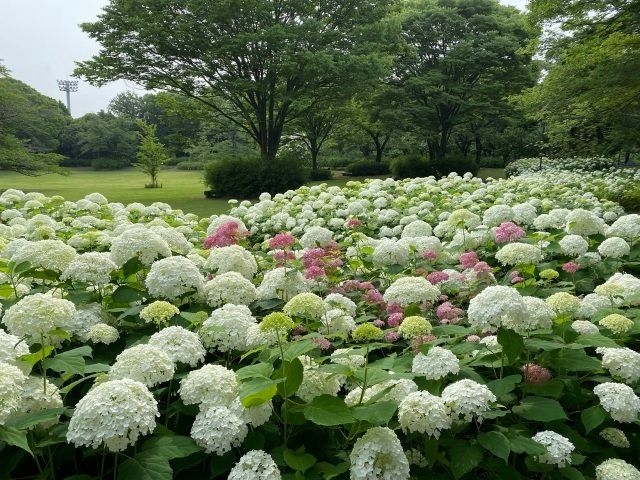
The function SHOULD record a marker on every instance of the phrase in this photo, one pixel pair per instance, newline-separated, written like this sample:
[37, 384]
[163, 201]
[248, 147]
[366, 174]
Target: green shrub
[454, 162]
[173, 161]
[109, 163]
[492, 162]
[628, 198]
[410, 166]
[247, 177]
[320, 174]
[76, 162]
[190, 165]
[364, 168]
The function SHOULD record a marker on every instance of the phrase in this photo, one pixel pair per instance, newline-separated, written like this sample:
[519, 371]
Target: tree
[102, 135]
[248, 60]
[461, 57]
[151, 154]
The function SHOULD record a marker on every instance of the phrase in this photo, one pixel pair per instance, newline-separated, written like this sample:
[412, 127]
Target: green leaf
[505, 385]
[522, 444]
[30, 419]
[146, 465]
[540, 409]
[463, 458]
[125, 294]
[496, 443]
[299, 461]
[132, 266]
[512, 344]
[258, 391]
[593, 417]
[570, 360]
[328, 410]
[263, 370]
[292, 373]
[376, 414]
[71, 361]
[96, 368]
[297, 348]
[571, 473]
[35, 357]
[15, 437]
[596, 340]
[329, 471]
[552, 388]
[171, 446]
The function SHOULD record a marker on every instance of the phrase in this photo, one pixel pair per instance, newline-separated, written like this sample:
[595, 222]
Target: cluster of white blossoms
[316, 236]
[231, 327]
[394, 390]
[232, 258]
[584, 222]
[378, 455]
[159, 312]
[517, 253]
[179, 344]
[103, 333]
[255, 465]
[11, 383]
[417, 228]
[621, 362]
[138, 242]
[229, 287]
[488, 310]
[34, 397]
[174, 277]
[47, 254]
[94, 268]
[615, 437]
[345, 356]
[36, 316]
[467, 399]
[558, 447]
[626, 285]
[616, 469]
[573, 245]
[338, 301]
[626, 227]
[391, 252]
[282, 283]
[614, 247]
[305, 305]
[217, 429]
[619, 400]
[537, 315]
[336, 321]
[584, 327]
[114, 414]
[406, 291]
[209, 385]
[423, 412]
[11, 347]
[563, 303]
[436, 364]
[144, 363]
[316, 382]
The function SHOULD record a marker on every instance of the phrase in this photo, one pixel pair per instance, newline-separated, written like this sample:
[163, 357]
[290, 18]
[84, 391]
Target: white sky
[41, 39]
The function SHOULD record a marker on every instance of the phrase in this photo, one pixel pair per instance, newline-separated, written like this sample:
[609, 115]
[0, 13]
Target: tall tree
[151, 154]
[461, 57]
[249, 60]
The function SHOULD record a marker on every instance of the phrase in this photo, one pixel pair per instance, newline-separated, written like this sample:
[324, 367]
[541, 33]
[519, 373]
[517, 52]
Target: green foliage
[151, 154]
[247, 177]
[320, 174]
[363, 168]
[190, 165]
[109, 163]
[455, 163]
[410, 166]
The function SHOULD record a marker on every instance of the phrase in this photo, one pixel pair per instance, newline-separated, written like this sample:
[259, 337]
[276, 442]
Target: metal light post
[68, 86]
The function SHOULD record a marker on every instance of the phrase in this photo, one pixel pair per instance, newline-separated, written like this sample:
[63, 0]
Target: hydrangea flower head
[558, 447]
[378, 455]
[159, 312]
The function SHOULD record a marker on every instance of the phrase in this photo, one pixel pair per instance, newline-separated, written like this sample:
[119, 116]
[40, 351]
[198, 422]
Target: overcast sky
[41, 39]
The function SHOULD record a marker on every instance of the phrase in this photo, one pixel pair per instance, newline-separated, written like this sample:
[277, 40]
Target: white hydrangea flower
[255, 465]
[487, 310]
[344, 356]
[591, 304]
[103, 333]
[616, 469]
[558, 447]
[229, 287]
[138, 242]
[315, 237]
[417, 228]
[35, 316]
[315, 382]
[619, 400]
[411, 290]
[615, 437]
[391, 252]
[47, 254]
[11, 347]
[114, 414]
[627, 227]
[143, 363]
[336, 321]
[614, 247]
[423, 412]
[226, 328]
[497, 214]
[11, 385]
[176, 240]
[232, 258]
[573, 245]
[336, 300]
[174, 277]
[282, 283]
[563, 303]
[180, 344]
[306, 305]
[400, 388]
[253, 416]
[585, 327]
[537, 315]
[217, 429]
[467, 398]
[91, 267]
[621, 362]
[436, 364]
[378, 455]
[34, 397]
[623, 284]
[583, 222]
[519, 254]
[210, 385]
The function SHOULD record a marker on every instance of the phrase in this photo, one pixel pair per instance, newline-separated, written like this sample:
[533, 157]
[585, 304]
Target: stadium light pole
[68, 86]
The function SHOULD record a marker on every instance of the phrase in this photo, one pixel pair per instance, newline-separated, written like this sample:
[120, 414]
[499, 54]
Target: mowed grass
[181, 189]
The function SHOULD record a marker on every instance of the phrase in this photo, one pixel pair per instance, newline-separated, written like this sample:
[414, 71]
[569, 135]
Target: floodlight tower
[68, 86]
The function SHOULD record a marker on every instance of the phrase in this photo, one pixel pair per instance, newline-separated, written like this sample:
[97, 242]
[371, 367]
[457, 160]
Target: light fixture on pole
[68, 86]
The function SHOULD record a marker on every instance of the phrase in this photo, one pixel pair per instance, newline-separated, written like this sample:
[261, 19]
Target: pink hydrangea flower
[570, 267]
[229, 233]
[314, 272]
[482, 268]
[395, 319]
[449, 312]
[378, 323]
[508, 232]
[437, 277]
[322, 342]
[514, 277]
[391, 337]
[534, 373]
[353, 223]
[468, 259]
[429, 255]
[282, 240]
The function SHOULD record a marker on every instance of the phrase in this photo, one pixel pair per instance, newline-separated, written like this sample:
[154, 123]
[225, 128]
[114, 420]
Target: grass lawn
[181, 189]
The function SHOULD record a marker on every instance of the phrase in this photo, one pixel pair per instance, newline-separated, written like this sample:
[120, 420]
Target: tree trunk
[478, 148]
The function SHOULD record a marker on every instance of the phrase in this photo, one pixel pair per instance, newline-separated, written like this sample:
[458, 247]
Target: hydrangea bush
[423, 328]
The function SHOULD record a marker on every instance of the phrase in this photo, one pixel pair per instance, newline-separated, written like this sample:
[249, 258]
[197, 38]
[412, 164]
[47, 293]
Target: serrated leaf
[125, 294]
[30, 419]
[552, 388]
[463, 458]
[292, 374]
[171, 446]
[297, 348]
[327, 410]
[71, 361]
[592, 417]
[521, 444]
[15, 437]
[497, 443]
[132, 266]
[376, 414]
[35, 357]
[262, 369]
[504, 385]
[512, 344]
[299, 461]
[571, 473]
[596, 340]
[258, 391]
[146, 466]
[540, 409]
[329, 471]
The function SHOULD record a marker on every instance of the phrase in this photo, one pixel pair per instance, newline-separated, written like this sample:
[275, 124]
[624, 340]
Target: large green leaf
[146, 465]
[31, 419]
[35, 357]
[593, 417]
[377, 413]
[464, 457]
[298, 460]
[504, 385]
[15, 437]
[292, 374]
[540, 409]
[497, 443]
[571, 360]
[258, 391]
[596, 340]
[171, 446]
[329, 471]
[71, 361]
[263, 370]
[125, 294]
[552, 388]
[522, 444]
[512, 344]
[297, 348]
[327, 410]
